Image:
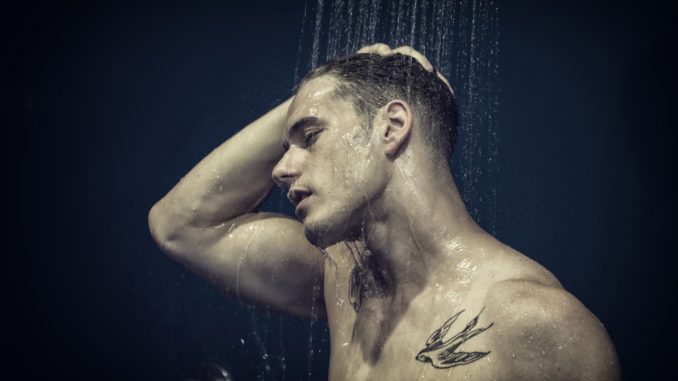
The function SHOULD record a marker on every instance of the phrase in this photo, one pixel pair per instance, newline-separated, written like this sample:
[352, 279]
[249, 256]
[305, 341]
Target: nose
[288, 168]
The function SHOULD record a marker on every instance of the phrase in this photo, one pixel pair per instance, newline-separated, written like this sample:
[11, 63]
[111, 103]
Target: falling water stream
[461, 39]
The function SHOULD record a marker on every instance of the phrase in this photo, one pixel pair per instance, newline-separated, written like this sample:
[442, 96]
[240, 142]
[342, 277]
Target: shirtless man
[412, 288]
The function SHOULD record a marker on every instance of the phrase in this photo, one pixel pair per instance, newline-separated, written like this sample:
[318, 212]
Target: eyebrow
[300, 124]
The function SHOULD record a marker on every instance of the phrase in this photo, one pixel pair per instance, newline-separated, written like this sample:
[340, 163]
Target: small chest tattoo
[442, 354]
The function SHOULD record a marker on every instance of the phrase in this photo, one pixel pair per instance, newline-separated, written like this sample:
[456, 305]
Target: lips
[297, 197]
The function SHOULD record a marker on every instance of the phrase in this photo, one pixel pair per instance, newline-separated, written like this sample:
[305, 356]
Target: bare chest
[413, 347]
[400, 339]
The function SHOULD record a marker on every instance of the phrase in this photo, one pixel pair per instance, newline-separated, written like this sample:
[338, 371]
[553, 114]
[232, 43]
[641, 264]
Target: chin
[326, 229]
[321, 238]
[325, 234]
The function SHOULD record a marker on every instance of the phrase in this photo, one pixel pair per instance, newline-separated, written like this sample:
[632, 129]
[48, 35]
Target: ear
[397, 127]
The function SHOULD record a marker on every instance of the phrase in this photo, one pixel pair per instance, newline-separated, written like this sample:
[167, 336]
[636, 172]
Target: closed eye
[310, 137]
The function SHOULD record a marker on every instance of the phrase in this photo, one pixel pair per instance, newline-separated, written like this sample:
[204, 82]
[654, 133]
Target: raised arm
[209, 223]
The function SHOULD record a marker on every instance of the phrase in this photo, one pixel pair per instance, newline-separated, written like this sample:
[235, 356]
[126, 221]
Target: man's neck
[417, 234]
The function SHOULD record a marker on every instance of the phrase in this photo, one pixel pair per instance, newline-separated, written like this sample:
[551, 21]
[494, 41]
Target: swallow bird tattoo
[441, 354]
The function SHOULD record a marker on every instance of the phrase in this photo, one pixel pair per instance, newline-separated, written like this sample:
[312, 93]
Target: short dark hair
[370, 81]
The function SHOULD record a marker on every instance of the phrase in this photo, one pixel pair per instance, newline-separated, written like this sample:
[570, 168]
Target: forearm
[230, 181]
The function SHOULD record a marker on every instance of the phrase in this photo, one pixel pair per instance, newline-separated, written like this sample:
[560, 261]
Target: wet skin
[328, 166]
[405, 272]
[338, 175]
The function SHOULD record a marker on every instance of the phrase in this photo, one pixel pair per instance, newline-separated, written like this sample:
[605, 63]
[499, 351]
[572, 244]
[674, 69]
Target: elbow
[160, 227]
[155, 223]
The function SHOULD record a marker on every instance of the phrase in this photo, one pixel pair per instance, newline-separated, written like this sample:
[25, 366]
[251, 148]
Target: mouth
[297, 197]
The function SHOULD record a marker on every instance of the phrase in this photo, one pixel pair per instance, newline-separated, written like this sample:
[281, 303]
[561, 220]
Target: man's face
[330, 165]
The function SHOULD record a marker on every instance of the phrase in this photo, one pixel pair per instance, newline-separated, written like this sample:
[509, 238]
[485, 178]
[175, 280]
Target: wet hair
[370, 81]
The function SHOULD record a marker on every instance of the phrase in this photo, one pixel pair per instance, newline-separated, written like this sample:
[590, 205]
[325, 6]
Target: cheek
[356, 140]
[357, 151]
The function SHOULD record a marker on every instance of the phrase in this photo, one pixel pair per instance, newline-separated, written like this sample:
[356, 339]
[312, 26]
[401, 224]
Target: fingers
[381, 49]
[385, 50]
[446, 82]
[407, 50]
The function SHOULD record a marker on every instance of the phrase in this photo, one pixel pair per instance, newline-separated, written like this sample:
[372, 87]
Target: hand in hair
[385, 50]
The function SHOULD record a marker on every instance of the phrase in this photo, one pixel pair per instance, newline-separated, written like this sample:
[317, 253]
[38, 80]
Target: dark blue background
[104, 107]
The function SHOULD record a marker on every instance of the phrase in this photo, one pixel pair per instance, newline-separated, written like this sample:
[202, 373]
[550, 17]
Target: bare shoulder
[544, 332]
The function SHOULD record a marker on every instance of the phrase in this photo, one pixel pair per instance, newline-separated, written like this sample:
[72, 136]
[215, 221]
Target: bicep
[262, 259]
